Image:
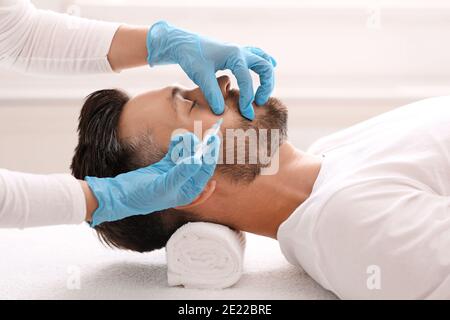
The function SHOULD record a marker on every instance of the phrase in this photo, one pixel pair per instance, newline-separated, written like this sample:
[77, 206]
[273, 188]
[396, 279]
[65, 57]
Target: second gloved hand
[201, 57]
[174, 181]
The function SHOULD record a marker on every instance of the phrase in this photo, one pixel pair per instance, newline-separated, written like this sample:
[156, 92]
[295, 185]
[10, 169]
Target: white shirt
[39, 41]
[377, 223]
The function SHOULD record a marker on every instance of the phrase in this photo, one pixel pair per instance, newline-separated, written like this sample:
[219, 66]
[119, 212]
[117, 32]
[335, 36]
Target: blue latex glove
[175, 180]
[201, 57]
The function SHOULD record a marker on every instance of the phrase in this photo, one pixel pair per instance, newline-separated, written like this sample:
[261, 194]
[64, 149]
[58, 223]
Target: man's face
[165, 110]
[160, 114]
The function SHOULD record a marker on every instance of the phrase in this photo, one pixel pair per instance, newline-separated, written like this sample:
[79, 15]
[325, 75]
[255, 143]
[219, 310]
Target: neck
[261, 206]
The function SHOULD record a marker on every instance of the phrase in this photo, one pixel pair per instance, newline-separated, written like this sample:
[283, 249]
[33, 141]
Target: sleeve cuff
[76, 214]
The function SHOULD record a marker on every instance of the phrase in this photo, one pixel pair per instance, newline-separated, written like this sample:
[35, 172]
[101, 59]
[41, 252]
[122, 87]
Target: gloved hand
[175, 180]
[201, 57]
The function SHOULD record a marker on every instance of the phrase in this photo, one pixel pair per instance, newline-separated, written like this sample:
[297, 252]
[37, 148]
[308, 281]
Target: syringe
[212, 132]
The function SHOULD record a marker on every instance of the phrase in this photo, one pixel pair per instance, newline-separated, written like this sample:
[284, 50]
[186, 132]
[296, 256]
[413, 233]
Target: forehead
[150, 110]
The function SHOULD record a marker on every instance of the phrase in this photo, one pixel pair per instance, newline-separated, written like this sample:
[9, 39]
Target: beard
[251, 145]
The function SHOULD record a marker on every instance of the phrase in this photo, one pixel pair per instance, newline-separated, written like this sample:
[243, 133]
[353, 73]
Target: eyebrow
[174, 92]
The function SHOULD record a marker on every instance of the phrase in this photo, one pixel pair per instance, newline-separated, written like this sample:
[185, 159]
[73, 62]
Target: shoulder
[386, 230]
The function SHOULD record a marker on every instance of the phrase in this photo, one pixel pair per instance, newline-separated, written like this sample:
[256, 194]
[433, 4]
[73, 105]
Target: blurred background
[339, 62]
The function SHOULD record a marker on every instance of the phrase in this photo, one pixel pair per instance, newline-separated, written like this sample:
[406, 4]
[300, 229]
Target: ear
[206, 193]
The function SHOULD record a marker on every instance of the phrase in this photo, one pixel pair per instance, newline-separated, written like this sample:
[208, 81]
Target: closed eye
[194, 103]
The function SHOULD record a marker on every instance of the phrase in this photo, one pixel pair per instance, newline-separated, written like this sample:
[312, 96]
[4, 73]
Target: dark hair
[101, 153]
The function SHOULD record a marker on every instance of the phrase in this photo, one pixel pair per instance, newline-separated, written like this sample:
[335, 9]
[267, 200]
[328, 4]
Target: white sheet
[39, 263]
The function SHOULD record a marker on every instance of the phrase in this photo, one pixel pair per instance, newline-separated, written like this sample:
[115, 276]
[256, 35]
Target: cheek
[200, 120]
[161, 135]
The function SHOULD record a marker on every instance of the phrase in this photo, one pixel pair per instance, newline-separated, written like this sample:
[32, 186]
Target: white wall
[339, 62]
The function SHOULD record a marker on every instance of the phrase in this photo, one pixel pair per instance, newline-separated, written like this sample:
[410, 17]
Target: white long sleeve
[31, 200]
[40, 41]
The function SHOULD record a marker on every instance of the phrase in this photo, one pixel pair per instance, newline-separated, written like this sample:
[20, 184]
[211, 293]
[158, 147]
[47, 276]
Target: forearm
[128, 48]
[31, 200]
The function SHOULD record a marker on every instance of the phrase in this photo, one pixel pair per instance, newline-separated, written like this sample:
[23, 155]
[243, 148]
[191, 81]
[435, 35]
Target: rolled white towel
[205, 255]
